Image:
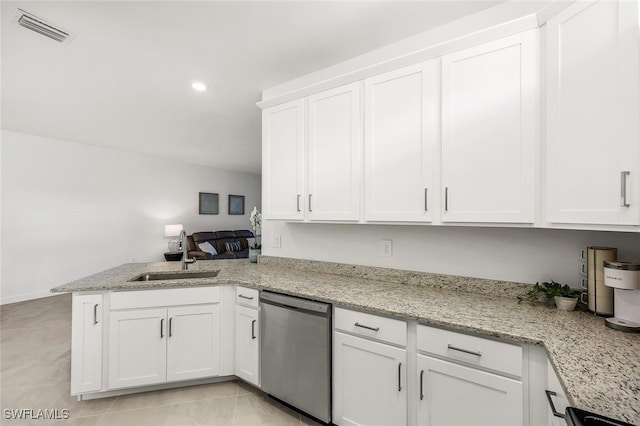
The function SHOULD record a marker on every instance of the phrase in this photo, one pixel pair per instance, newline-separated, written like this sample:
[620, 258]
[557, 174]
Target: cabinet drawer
[497, 356]
[164, 297]
[246, 296]
[374, 326]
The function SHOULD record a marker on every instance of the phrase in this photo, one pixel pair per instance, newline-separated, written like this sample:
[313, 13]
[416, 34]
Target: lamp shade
[172, 230]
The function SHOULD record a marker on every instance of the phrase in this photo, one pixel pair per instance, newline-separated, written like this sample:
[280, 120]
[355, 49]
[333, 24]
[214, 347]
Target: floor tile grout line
[235, 408]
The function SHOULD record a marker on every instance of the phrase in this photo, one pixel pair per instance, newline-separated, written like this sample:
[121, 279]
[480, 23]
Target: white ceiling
[124, 81]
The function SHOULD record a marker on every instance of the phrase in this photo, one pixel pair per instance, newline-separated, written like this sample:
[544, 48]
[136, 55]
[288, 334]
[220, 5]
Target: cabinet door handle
[399, 376]
[95, 313]
[161, 328]
[245, 297]
[453, 348]
[367, 327]
[310, 195]
[253, 329]
[623, 188]
[553, 407]
[421, 385]
[426, 202]
[298, 203]
[170, 327]
[446, 198]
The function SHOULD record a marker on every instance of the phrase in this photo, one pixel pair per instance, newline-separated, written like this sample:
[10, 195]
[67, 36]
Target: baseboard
[148, 388]
[27, 296]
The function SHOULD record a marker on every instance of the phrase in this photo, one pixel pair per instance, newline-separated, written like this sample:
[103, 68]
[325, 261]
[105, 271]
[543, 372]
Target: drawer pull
[421, 385]
[245, 297]
[553, 407]
[367, 327]
[453, 348]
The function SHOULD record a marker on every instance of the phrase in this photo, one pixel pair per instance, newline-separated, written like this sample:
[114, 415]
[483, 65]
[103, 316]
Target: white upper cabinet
[489, 131]
[593, 136]
[334, 154]
[402, 113]
[283, 133]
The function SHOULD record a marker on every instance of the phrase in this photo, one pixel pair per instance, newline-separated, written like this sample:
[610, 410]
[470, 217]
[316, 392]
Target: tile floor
[35, 351]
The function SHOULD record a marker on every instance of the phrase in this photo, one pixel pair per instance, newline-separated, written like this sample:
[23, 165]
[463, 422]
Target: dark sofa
[218, 240]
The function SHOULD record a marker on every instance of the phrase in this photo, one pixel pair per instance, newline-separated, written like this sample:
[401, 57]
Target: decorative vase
[253, 255]
[565, 303]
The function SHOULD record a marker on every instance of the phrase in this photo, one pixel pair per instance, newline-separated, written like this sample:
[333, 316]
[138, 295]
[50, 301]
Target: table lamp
[173, 231]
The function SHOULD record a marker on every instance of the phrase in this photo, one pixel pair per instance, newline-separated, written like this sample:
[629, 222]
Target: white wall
[511, 254]
[70, 210]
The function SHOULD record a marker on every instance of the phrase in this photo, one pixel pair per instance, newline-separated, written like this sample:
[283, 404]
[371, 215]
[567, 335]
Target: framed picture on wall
[208, 203]
[236, 204]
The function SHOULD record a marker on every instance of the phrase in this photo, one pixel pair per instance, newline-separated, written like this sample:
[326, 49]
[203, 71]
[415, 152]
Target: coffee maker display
[599, 296]
[624, 279]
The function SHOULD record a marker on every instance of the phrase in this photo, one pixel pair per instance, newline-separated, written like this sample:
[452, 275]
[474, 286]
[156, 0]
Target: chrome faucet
[183, 244]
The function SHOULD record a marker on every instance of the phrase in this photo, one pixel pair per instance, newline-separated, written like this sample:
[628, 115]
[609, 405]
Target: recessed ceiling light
[199, 86]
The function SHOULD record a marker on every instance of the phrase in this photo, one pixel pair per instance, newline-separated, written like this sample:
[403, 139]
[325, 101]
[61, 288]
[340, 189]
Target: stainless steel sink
[157, 276]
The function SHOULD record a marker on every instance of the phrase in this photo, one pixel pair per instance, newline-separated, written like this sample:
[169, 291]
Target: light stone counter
[598, 367]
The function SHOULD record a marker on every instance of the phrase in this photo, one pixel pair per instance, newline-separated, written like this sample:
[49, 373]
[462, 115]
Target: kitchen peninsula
[598, 367]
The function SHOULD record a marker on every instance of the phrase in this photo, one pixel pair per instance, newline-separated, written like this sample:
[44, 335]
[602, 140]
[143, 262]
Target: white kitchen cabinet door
[593, 133]
[334, 154]
[369, 382]
[557, 397]
[193, 342]
[402, 113]
[489, 131]
[86, 342]
[283, 139]
[137, 347]
[248, 344]
[453, 395]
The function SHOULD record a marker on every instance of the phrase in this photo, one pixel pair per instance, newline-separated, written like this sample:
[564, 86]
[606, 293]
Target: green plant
[546, 292]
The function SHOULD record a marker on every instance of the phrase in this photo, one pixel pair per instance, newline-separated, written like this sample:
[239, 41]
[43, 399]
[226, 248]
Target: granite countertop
[599, 367]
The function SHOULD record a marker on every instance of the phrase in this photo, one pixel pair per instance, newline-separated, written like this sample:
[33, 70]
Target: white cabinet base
[137, 348]
[86, 343]
[248, 344]
[369, 382]
[455, 395]
[193, 345]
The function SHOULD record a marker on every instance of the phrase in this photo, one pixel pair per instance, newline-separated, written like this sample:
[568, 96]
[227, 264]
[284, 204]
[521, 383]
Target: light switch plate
[277, 241]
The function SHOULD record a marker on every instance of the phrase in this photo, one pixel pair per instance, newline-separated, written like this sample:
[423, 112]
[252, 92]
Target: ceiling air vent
[33, 23]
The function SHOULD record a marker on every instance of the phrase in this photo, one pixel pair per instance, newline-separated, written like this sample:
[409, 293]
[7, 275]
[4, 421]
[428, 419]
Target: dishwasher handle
[296, 303]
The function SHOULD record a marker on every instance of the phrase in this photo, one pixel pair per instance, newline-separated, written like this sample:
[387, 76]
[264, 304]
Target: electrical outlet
[277, 241]
[387, 248]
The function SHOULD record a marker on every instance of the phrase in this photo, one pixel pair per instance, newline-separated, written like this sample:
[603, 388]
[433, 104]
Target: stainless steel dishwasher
[295, 352]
